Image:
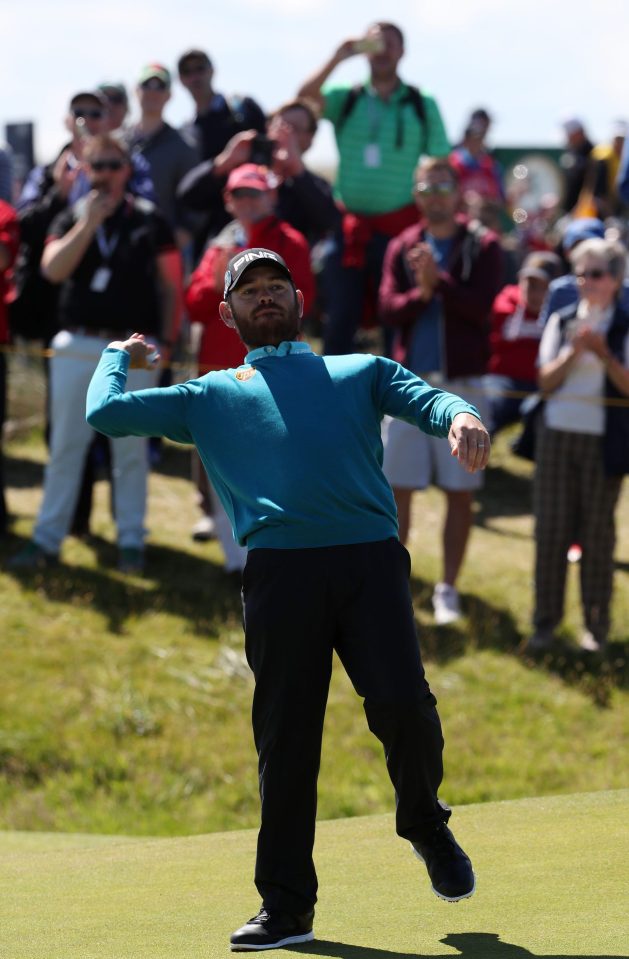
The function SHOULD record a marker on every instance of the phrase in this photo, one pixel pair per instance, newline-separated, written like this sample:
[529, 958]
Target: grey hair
[612, 253]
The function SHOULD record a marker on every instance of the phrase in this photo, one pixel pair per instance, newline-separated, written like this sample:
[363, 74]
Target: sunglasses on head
[84, 113]
[99, 165]
[595, 274]
[154, 83]
[429, 189]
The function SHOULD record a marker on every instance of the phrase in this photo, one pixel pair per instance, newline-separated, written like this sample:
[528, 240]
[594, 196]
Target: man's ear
[300, 302]
[225, 314]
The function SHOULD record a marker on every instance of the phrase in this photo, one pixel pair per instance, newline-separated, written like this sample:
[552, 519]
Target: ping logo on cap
[250, 256]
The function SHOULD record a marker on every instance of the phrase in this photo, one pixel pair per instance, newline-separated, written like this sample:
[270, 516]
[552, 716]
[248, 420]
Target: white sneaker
[445, 602]
[204, 529]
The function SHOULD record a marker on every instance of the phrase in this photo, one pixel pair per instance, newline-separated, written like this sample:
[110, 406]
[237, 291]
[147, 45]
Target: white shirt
[576, 406]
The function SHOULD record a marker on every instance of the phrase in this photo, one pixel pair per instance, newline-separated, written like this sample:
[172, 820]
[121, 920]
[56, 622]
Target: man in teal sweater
[291, 442]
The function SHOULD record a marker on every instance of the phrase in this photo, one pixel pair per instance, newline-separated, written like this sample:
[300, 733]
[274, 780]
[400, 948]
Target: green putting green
[552, 881]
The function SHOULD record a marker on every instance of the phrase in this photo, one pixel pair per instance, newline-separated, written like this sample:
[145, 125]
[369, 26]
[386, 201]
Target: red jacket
[467, 289]
[514, 337]
[221, 347]
[10, 238]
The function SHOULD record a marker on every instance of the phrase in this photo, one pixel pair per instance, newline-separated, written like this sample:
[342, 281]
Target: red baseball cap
[253, 177]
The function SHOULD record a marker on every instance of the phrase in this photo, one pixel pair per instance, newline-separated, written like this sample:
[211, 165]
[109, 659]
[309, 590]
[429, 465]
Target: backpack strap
[412, 96]
[350, 102]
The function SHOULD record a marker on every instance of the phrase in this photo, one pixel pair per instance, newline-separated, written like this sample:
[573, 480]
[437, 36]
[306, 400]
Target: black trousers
[300, 606]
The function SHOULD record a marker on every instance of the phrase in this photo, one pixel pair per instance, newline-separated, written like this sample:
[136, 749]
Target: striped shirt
[375, 173]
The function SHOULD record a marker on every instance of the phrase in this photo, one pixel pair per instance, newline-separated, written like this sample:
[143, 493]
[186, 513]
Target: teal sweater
[290, 440]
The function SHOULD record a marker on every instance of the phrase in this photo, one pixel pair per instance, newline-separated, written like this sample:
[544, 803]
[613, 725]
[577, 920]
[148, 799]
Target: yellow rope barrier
[185, 366]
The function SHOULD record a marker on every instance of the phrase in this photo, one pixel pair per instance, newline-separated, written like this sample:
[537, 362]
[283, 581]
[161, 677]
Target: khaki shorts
[414, 460]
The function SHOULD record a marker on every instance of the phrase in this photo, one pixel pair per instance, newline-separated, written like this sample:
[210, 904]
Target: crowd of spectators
[130, 226]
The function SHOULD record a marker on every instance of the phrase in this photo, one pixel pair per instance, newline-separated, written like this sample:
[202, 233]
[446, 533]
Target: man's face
[300, 122]
[384, 65]
[265, 308]
[196, 75]
[108, 172]
[117, 107]
[534, 290]
[153, 95]
[437, 196]
[249, 206]
[91, 115]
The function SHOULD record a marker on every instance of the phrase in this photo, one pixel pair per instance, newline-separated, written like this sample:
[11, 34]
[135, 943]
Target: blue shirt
[290, 440]
[425, 352]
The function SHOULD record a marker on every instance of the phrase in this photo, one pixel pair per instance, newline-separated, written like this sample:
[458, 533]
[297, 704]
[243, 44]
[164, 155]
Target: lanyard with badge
[102, 276]
[372, 156]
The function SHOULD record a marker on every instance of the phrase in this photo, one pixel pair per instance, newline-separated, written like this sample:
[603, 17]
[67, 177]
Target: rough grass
[125, 701]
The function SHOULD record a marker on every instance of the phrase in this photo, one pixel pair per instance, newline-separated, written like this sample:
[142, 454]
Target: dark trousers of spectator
[573, 502]
[351, 295]
[4, 517]
[300, 605]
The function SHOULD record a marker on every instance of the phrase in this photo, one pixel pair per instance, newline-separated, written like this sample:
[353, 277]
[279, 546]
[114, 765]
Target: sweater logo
[243, 375]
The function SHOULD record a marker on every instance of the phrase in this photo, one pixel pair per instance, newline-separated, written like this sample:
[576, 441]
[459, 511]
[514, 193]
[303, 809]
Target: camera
[370, 45]
[262, 150]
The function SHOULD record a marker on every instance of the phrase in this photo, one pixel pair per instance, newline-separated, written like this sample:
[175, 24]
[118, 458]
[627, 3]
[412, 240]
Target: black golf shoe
[272, 930]
[449, 868]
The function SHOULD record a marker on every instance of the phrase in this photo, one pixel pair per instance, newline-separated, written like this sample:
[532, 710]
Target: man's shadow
[470, 945]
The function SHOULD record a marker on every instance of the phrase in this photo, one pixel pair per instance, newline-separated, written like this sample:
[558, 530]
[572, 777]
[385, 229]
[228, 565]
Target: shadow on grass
[22, 473]
[470, 945]
[489, 627]
[177, 583]
[503, 494]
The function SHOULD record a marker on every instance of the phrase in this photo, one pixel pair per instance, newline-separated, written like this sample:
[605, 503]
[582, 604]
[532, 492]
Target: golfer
[291, 443]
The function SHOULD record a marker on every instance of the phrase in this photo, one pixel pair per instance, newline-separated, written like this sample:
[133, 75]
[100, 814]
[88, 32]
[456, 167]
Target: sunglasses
[432, 189]
[595, 274]
[241, 192]
[193, 68]
[154, 83]
[99, 165]
[82, 113]
[116, 99]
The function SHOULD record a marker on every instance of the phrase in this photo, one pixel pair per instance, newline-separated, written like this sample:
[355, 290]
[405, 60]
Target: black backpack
[412, 96]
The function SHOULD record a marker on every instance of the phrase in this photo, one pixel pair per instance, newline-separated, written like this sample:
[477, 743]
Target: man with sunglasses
[109, 254]
[218, 117]
[169, 155]
[439, 280]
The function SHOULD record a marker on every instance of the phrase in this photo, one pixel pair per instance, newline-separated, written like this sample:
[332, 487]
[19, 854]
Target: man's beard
[268, 331]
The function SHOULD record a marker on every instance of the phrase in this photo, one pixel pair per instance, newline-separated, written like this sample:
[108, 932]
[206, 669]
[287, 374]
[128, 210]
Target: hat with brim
[584, 228]
[93, 95]
[251, 176]
[245, 260]
[155, 71]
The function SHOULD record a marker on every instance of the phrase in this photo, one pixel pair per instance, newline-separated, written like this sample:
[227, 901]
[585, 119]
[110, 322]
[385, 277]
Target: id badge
[371, 156]
[100, 280]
